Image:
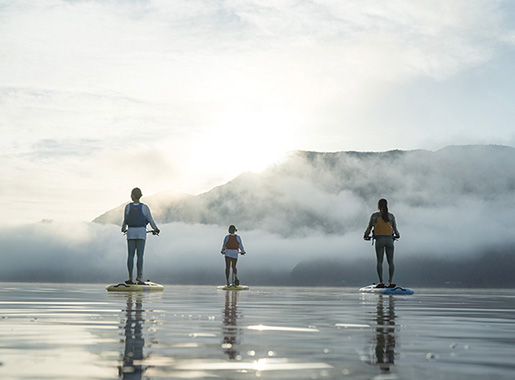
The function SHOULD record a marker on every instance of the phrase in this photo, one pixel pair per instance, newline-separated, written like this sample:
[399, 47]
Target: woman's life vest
[382, 228]
[232, 242]
[135, 217]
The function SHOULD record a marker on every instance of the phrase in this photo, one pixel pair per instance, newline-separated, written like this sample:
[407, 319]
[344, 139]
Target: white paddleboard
[148, 287]
[397, 290]
[233, 287]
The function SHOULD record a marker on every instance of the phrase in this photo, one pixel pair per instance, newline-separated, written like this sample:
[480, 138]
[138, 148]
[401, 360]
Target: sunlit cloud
[190, 94]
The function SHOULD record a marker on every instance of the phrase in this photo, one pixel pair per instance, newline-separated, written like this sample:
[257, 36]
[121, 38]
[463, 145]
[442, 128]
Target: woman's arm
[396, 232]
[371, 223]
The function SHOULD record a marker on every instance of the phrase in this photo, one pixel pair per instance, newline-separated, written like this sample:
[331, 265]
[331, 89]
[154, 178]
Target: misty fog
[302, 223]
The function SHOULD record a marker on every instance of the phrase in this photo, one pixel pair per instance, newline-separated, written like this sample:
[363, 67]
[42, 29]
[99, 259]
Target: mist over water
[302, 223]
[191, 254]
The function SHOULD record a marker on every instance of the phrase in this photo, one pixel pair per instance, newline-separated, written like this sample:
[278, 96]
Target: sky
[97, 97]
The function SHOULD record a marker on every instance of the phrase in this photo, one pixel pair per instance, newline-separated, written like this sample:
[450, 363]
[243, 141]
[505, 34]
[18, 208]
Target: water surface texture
[50, 331]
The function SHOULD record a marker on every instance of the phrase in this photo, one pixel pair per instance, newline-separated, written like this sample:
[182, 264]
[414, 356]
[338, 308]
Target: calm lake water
[55, 331]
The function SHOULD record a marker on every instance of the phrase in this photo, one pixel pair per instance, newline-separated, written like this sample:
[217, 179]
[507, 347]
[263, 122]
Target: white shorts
[232, 253]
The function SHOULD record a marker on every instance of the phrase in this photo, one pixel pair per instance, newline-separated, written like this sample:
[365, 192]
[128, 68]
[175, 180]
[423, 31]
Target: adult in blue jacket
[135, 219]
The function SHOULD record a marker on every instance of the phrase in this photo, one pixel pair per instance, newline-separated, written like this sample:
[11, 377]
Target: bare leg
[227, 268]
[234, 270]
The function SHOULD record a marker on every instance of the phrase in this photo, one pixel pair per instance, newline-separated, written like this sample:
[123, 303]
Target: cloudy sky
[97, 97]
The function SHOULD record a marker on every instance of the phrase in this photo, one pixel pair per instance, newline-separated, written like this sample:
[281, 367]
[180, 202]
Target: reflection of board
[148, 287]
[233, 287]
[397, 290]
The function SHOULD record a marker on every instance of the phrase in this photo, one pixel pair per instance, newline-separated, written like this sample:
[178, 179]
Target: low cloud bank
[190, 254]
[302, 223]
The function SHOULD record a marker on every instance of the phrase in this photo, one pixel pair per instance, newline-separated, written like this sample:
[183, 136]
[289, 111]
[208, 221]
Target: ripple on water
[295, 333]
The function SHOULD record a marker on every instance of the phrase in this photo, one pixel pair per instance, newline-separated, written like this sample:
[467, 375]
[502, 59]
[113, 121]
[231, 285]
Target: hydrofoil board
[233, 287]
[147, 287]
[396, 290]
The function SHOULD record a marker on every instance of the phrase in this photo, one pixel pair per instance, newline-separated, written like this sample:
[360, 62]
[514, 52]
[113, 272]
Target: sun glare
[245, 141]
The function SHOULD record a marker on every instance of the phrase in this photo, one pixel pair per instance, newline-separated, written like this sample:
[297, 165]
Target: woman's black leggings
[384, 244]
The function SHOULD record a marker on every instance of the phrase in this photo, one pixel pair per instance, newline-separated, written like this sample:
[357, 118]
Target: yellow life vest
[382, 228]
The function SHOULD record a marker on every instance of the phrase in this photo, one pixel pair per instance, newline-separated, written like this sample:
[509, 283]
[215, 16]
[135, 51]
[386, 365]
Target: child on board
[136, 216]
[231, 247]
[384, 233]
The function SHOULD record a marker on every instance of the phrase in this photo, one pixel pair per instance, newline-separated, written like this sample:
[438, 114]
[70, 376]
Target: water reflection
[230, 325]
[131, 367]
[384, 340]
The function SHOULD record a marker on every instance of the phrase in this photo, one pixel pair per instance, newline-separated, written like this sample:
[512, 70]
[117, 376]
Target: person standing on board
[135, 219]
[231, 247]
[384, 233]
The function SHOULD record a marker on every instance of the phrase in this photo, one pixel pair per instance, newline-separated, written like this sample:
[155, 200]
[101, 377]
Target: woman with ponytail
[384, 232]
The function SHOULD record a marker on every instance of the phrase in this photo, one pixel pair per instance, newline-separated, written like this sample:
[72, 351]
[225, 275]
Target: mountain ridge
[329, 191]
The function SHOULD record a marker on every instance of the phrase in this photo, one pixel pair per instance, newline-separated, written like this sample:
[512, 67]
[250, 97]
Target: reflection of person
[230, 329]
[134, 342]
[384, 233]
[231, 247]
[135, 219]
[385, 335]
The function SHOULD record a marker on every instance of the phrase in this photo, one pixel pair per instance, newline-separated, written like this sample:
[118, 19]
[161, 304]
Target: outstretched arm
[371, 223]
[396, 232]
[242, 249]
[124, 224]
[148, 215]
[226, 238]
